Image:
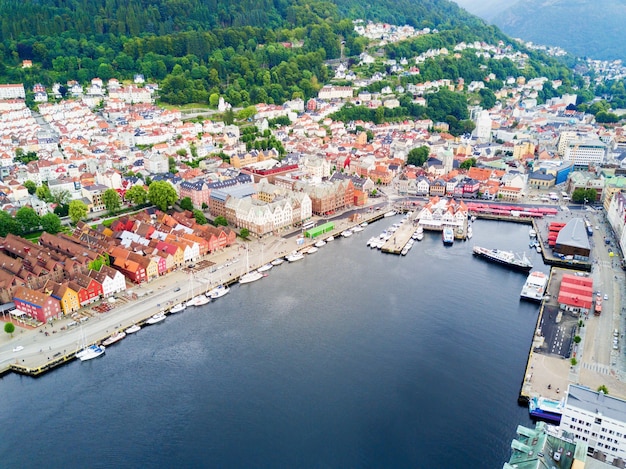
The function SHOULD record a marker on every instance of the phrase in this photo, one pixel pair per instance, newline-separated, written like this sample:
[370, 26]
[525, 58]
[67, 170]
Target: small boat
[132, 329]
[311, 250]
[391, 213]
[356, 229]
[470, 232]
[218, 291]
[370, 241]
[532, 233]
[91, 352]
[249, 277]
[329, 239]
[265, 267]
[448, 236]
[177, 308]
[320, 243]
[346, 233]
[277, 261]
[114, 338]
[295, 256]
[419, 236]
[364, 224]
[202, 300]
[538, 248]
[155, 318]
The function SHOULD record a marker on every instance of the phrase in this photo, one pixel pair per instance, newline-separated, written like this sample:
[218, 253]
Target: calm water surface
[349, 358]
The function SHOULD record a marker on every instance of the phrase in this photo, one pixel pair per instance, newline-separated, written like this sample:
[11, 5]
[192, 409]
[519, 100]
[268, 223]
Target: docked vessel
[506, 258]
[535, 286]
[158, 317]
[470, 232]
[357, 229]
[265, 267]
[132, 329]
[277, 261]
[329, 239]
[346, 233]
[546, 409]
[114, 338]
[448, 236]
[389, 214]
[311, 250]
[198, 300]
[295, 256]
[250, 276]
[90, 352]
[320, 243]
[532, 233]
[177, 308]
[218, 291]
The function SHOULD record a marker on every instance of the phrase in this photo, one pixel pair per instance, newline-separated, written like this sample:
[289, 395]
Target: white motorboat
[177, 308]
[295, 256]
[329, 239]
[364, 224]
[202, 300]
[470, 232]
[156, 318]
[277, 261]
[532, 233]
[114, 338]
[90, 352]
[250, 276]
[218, 291]
[371, 240]
[311, 250]
[320, 243]
[132, 329]
[356, 229]
[419, 236]
[389, 214]
[265, 267]
[346, 233]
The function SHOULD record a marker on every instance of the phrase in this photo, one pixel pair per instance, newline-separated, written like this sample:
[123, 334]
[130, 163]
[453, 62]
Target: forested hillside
[247, 51]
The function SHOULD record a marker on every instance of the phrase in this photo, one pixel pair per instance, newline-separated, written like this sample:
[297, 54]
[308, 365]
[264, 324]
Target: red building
[36, 304]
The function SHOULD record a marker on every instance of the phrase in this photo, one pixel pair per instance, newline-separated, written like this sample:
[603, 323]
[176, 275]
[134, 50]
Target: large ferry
[506, 258]
[546, 409]
[535, 286]
[448, 235]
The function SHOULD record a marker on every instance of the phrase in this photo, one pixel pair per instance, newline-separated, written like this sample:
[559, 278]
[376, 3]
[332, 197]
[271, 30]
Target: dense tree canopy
[162, 194]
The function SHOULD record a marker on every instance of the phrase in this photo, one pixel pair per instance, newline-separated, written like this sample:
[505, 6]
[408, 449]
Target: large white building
[335, 92]
[585, 152]
[483, 126]
[597, 419]
[12, 91]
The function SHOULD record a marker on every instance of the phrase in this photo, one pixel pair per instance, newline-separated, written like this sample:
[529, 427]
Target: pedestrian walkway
[603, 369]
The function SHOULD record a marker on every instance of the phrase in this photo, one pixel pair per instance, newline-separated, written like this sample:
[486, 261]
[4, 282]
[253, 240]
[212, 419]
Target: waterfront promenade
[52, 345]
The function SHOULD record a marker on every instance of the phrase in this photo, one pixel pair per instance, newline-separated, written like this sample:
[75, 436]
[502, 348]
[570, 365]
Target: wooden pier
[400, 238]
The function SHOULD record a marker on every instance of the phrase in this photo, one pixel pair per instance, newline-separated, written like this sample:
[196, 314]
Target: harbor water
[348, 358]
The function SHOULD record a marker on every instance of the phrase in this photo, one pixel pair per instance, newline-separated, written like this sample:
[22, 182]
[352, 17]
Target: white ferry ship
[535, 286]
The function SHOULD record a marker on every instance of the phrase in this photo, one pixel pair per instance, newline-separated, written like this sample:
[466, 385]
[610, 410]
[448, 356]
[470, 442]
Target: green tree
[31, 186]
[62, 210]
[8, 224]
[77, 210]
[244, 233]
[602, 388]
[487, 98]
[96, 264]
[43, 193]
[199, 216]
[577, 339]
[214, 100]
[468, 163]
[9, 328]
[136, 195]
[573, 361]
[229, 116]
[220, 221]
[51, 223]
[60, 196]
[418, 156]
[162, 194]
[111, 200]
[28, 219]
[186, 203]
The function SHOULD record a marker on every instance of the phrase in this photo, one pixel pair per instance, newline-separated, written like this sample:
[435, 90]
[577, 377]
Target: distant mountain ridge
[586, 28]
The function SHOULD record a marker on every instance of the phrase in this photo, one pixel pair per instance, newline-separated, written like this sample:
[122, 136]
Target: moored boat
[546, 409]
[277, 261]
[346, 233]
[329, 239]
[419, 236]
[535, 286]
[532, 233]
[320, 243]
[202, 300]
[364, 224]
[132, 329]
[448, 236]
[265, 267]
[250, 275]
[218, 291]
[311, 250]
[90, 352]
[156, 318]
[114, 338]
[295, 256]
[470, 232]
[356, 229]
[391, 213]
[177, 308]
[506, 258]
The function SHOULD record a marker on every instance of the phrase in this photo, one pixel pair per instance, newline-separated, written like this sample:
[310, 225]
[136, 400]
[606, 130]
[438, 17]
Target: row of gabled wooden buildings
[62, 273]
